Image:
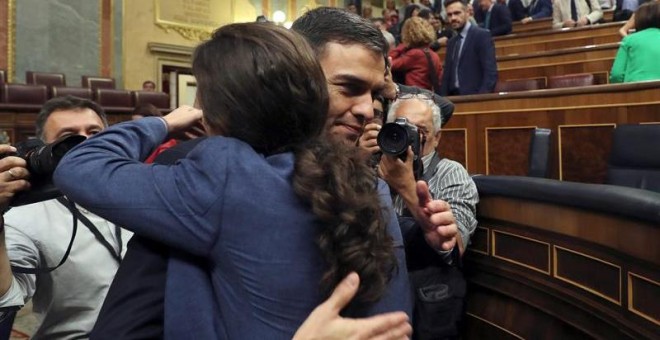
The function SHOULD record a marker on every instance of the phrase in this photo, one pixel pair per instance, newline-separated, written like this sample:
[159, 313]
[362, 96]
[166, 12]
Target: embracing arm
[166, 203]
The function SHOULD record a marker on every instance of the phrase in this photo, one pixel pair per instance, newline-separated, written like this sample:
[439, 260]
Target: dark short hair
[647, 16]
[268, 91]
[66, 103]
[148, 82]
[323, 25]
[449, 2]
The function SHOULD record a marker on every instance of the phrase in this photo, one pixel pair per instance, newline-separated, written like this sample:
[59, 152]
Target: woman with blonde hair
[412, 61]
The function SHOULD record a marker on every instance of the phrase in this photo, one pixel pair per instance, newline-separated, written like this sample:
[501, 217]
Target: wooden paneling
[589, 273]
[562, 34]
[580, 112]
[598, 65]
[594, 253]
[558, 44]
[643, 293]
[507, 150]
[584, 151]
[534, 25]
[559, 56]
[453, 145]
[522, 251]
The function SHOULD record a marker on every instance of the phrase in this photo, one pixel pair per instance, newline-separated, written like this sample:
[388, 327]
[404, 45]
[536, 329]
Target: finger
[16, 173]
[446, 231]
[384, 326]
[449, 245]
[6, 148]
[372, 127]
[9, 189]
[343, 293]
[437, 206]
[11, 162]
[423, 193]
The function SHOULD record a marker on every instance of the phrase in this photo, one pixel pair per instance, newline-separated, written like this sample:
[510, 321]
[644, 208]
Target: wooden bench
[546, 23]
[490, 133]
[561, 260]
[571, 54]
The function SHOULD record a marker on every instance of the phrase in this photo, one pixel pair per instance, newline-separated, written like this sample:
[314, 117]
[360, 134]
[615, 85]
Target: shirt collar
[466, 28]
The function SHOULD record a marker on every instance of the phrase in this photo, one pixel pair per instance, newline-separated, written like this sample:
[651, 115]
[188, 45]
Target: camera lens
[393, 139]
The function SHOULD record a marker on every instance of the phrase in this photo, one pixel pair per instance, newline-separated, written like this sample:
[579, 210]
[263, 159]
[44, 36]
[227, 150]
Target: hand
[398, 174]
[183, 119]
[526, 20]
[325, 322]
[13, 175]
[436, 219]
[583, 22]
[569, 23]
[443, 41]
[368, 142]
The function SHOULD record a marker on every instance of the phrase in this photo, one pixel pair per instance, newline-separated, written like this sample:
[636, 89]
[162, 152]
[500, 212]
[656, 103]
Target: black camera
[395, 138]
[42, 159]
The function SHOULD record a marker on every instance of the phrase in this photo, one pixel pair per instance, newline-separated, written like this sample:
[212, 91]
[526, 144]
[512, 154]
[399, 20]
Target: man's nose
[364, 108]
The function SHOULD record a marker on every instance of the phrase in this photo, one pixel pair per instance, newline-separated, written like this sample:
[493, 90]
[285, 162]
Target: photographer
[448, 182]
[67, 300]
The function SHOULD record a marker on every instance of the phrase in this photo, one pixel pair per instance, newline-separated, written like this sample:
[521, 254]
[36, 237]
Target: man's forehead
[352, 62]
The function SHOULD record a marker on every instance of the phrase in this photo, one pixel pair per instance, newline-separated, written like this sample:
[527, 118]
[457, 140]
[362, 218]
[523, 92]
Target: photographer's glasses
[418, 95]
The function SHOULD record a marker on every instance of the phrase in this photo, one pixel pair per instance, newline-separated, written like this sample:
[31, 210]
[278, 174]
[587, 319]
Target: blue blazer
[477, 67]
[540, 9]
[500, 19]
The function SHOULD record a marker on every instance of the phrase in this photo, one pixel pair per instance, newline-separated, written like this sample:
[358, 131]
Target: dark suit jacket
[477, 67]
[540, 9]
[500, 18]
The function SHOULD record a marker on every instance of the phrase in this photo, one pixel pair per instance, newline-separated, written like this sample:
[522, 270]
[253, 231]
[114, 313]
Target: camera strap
[97, 234]
[430, 171]
[24, 270]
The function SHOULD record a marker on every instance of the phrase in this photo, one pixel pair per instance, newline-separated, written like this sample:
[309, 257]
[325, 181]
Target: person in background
[493, 16]
[380, 24]
[638, 55]
[470, 65]
[66, 299]
[149, 86]
[537, 9]
[442, 32]
[575, 13]
[412, 60]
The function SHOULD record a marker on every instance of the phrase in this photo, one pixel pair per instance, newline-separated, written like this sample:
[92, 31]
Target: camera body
[395, 138]
[41, 160]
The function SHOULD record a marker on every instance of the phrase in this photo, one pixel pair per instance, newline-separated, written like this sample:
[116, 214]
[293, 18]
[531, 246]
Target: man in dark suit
[470, 65]
[493, 16]
[538, 9]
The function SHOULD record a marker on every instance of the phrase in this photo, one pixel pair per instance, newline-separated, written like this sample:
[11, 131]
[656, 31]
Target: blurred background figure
[149, 86]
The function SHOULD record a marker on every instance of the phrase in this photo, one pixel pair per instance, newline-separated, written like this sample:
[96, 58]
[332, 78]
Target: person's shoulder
[447, 165]
[479, 32]
[36, 218]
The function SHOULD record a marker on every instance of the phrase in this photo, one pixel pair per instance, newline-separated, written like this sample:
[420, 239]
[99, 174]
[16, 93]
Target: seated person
[625, 9]
[638, 54]
[537, 9]
[197, 206]
[493, 16]
[575, 13]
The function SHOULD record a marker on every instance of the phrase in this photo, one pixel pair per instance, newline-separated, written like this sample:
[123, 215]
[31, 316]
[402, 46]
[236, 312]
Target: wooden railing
[562, 260]
[490, 133]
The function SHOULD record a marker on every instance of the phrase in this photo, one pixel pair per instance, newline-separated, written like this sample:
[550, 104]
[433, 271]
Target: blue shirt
[246, 263]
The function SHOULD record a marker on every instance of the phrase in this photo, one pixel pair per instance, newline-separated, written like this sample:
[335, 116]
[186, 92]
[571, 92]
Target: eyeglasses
[418, 95]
